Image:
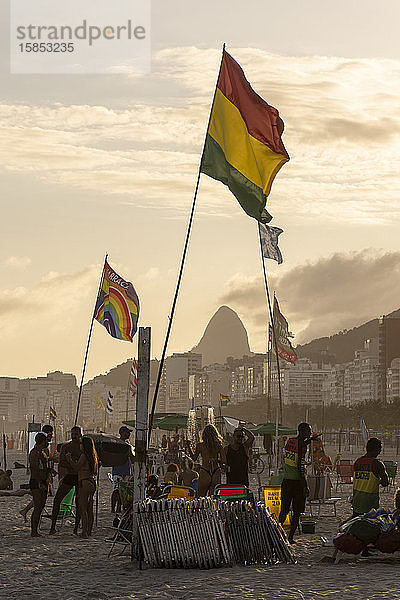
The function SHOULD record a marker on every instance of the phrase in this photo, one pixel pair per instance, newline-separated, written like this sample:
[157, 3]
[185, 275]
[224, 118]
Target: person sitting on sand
[68, 477]
[39, 481]
[86, 468]
[187, 476]
[5, 480]
[171, 474]
[213, 458]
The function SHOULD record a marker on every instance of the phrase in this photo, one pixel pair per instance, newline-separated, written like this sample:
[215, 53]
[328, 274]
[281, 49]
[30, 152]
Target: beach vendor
[237, 457]
[294, 489]
[67, 476]
[121, 472]
[369, 473]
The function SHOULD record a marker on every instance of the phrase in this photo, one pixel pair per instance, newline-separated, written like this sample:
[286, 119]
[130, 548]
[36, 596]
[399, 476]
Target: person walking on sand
[294, 489]
[39, 481]
[68, 477]
[86, 468]
[369, 473]
[213, 458]
[237, 457]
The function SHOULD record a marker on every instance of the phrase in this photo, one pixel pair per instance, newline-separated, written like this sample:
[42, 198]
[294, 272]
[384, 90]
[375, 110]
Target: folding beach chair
[122, 533]
[178, 491]
[391, 470]
[232, 493]
[344, 470]
[67, 506]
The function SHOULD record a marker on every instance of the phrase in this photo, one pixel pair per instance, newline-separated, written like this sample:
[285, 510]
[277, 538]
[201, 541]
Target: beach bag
[362, 529]
[345, 542]
[389, 542]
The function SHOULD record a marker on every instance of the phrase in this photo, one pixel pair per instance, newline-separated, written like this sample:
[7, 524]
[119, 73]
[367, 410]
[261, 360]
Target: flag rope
[178, 284]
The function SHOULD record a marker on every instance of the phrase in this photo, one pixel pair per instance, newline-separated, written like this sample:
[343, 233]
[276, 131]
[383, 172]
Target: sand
[65, 567]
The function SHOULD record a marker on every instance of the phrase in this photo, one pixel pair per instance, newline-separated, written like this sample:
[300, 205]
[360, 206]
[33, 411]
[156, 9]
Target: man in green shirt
[369, 473]
[294, 489]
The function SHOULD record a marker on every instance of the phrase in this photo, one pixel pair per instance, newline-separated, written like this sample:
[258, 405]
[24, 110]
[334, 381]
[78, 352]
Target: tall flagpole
[272, 322]
[88, 344]
[178, 284]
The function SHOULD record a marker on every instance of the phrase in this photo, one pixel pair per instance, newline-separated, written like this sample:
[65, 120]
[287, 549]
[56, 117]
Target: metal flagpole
[272, 322]
[88, 344]
[178, 284]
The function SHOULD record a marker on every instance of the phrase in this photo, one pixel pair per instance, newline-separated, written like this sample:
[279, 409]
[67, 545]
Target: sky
[108, 163]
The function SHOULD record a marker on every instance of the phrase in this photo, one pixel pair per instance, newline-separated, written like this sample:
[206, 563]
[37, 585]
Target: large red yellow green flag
[117, 306]
[243, 147]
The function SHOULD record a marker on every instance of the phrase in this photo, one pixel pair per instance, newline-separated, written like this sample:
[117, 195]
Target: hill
[225, 335]
[340, 348]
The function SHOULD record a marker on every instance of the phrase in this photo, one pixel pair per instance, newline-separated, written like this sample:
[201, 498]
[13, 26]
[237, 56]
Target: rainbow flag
[224, 400]
[117, 306]
[243, 147]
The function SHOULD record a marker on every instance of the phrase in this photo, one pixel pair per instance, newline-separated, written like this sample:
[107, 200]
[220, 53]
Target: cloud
[52, 300]
[322, 297]
[16, 262]
[342, 126]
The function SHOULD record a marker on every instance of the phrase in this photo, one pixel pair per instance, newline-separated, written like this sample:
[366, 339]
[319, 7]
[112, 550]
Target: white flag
[269, 242]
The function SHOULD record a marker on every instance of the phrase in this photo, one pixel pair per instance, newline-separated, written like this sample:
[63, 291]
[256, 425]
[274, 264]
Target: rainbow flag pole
[88, 344]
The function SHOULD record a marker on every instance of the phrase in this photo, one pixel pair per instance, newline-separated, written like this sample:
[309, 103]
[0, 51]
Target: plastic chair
[178, 491]
[233, 492]
[344, 470]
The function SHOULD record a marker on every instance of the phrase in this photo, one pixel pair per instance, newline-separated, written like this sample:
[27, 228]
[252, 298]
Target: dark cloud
[323, 297]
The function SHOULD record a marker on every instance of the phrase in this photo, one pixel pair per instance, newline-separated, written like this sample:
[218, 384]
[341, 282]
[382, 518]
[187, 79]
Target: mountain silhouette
[225, 335]
[340, 347]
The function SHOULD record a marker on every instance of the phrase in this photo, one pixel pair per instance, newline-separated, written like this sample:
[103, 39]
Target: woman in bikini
[86, 468]
[212, 457]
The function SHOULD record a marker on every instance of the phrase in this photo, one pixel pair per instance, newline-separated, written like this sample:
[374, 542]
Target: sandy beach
[66, 567]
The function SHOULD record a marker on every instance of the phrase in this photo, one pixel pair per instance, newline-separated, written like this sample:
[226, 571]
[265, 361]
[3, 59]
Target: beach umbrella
[270, 429]
[112, 451]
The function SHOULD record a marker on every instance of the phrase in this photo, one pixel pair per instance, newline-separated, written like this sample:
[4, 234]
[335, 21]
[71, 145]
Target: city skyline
[108, 163]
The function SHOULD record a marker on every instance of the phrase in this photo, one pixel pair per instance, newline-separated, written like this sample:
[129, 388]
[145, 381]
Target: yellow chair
[179, 491]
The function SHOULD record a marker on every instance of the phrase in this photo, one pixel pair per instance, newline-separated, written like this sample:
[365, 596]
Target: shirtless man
[39, 481]
[48, 431]
[68, 477]
[213, 458]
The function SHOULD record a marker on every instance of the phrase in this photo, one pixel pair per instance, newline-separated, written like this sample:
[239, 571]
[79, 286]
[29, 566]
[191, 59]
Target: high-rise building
[9, 387]
[388, 349]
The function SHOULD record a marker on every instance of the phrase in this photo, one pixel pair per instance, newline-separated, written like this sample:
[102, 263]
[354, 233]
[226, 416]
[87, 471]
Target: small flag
[100, 405]
[109, 407]
[284, 346]
[117, 306]
[243, 147]
[133, 378]
[224, 400]
[52, 414]
[269, 242]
